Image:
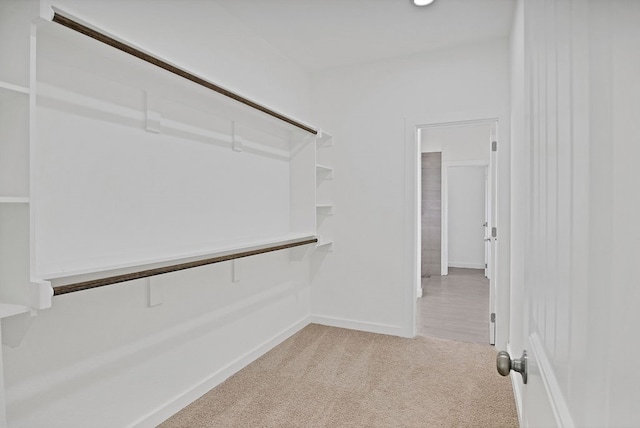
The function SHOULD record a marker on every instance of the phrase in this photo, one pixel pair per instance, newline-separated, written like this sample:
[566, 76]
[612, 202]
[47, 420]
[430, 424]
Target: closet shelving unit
[15, 288]
[324, 196]
[172, 106]
[85, 74]
[72, 75]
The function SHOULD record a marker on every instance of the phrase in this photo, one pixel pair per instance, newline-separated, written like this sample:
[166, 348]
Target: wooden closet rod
[87, 31]
[101, 282]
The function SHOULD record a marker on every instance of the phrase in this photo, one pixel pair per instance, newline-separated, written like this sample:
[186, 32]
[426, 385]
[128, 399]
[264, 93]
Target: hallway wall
[365, 282]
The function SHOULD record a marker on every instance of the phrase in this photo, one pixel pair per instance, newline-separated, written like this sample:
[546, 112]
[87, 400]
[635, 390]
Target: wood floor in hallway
[455, 306]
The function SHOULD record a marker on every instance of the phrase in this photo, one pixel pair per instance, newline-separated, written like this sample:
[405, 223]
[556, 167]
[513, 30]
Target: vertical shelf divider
[324, 198]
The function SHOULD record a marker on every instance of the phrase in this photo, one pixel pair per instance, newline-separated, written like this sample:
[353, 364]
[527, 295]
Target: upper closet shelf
[150, 72]
[13, 88]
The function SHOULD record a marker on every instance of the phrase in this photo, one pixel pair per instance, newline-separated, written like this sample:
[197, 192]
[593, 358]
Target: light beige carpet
[331, 377]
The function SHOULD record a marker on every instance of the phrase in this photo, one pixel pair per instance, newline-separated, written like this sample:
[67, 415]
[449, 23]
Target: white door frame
[412, 276]
[444, 247]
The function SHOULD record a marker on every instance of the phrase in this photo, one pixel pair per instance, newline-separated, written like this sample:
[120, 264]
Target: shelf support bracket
[156, 292]
[153, 116]
[236, 270]
[236, 140]
[40, 294]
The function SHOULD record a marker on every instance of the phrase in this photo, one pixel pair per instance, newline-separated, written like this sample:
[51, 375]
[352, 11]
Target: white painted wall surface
[466, 214]
[104, 358]
[365, 107]
[458, 143]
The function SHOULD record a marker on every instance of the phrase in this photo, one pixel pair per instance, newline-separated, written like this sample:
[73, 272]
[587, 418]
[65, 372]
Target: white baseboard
[165, 411]
[551, 384]
[392, 330]
[466, 265]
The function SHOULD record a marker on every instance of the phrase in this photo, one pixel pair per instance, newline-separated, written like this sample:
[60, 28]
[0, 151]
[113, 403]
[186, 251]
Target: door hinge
[494, 146]
[494, 232]
[485, 266]
[493, 317]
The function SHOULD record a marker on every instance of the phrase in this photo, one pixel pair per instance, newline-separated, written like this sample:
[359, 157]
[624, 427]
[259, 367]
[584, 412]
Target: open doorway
[457, 216]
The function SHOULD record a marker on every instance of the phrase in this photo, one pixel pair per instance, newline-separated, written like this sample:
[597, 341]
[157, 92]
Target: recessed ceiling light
[422, 2]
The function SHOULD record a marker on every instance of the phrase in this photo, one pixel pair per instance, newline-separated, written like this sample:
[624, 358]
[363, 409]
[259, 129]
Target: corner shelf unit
[16, 291]
[324, 191]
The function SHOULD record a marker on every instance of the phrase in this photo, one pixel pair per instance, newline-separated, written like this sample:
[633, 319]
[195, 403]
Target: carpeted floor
[331, 377]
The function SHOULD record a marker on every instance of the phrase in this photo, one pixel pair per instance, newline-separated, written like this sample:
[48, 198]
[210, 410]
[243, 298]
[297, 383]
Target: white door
[576, 232]
[487, 233]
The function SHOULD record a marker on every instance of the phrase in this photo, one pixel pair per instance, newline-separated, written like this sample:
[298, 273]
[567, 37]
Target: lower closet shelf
[79, 281]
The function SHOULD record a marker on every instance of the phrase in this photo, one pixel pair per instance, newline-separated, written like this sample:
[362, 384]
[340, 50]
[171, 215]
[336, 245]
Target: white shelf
[9, 310]
[328, 209]
[14, 200]
[324, 246]
[67, 277]
[13, 88]
[325, 171]
[324, 139]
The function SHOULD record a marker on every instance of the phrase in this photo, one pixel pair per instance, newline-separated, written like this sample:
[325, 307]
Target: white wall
[104, 357]
[366, 283]
[458, 143]
[466, 215]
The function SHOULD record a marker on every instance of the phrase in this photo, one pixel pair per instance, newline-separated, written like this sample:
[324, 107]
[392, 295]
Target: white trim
[413, 125]
[168, 409]
[411, 277]
[388, 329]
[552, 386]
[464, 265]
[465, 163]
